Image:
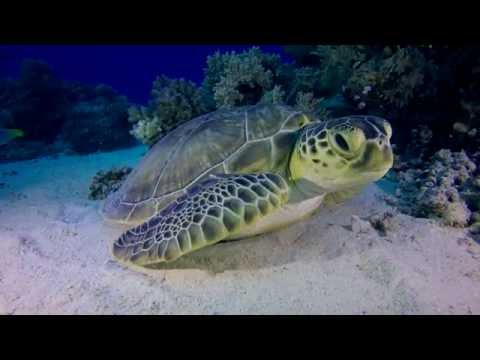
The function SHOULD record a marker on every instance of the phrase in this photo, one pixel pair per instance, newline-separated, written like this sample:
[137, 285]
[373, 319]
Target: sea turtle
[237, 173]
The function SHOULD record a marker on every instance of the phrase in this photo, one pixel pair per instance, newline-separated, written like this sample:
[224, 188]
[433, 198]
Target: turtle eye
[341, 142]
[348, 143]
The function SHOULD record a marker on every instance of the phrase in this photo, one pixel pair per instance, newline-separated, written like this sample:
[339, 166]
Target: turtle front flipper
[211, 211]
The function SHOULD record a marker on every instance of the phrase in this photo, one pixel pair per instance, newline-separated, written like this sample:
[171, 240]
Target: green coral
[300, 80]
[376, 76]
[147, 126]
[174, 101]
[337, 64]
[393, 78]
[274, 96]
[233, 79]
[403, 75]
[308, 103]
[251, 77]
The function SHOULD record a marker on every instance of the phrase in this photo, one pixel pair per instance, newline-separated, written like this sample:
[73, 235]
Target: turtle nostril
[341, 142]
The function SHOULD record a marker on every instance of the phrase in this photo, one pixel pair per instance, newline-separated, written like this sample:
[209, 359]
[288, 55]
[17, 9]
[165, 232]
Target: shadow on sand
[323, 237]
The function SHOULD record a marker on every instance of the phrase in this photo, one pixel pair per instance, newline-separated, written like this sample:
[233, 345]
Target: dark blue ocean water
[129, 69]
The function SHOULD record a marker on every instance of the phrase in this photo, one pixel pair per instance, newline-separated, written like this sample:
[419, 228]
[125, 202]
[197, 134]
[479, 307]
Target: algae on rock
[107, 182]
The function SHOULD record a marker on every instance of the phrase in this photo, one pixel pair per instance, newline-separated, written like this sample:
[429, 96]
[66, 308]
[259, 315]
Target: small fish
[7, 135]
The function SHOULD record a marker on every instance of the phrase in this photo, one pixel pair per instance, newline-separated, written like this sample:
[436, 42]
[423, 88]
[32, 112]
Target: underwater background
[76, 119]
[80, 99]
[127, 68]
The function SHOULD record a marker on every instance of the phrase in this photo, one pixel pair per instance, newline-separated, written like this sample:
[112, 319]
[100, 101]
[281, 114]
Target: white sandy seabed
[55, 258]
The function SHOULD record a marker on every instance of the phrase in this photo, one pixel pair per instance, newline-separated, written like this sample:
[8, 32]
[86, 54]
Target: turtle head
[342, 153]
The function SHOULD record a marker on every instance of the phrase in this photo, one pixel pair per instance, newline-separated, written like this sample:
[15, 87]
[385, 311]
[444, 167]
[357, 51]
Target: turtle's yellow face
[343, 153]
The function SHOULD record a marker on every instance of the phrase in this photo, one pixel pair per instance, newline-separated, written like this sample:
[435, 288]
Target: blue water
[129, 69]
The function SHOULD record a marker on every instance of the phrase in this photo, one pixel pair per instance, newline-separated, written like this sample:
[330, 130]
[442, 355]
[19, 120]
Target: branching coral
[393, 78]
[173, 102]
[252, 76]
[403, 75]
[337, 64]
[306, 102]
[233, 79]
[274, 96]
[301, 80]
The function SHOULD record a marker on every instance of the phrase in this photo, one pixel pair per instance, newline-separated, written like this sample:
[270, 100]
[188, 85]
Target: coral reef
[274, 96]
[99, 123]
[306, 102]
[392, 78]
[106, 182]
[174, 101]
[233, 79]
[337, 63]
[444, 188]
[58, 116]
[34, 103]
[251, 77]
[433, 86]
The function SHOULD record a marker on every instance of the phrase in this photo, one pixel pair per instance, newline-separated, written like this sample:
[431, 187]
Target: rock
[382, 223]
[360, 226]
[443, 188]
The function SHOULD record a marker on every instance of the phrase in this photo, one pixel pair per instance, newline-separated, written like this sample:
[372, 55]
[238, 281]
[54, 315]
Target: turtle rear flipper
[209, 212]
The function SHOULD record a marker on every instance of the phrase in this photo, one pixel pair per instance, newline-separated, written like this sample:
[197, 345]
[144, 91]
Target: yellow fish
[6, 135]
